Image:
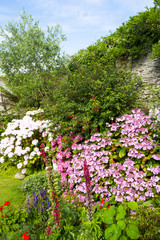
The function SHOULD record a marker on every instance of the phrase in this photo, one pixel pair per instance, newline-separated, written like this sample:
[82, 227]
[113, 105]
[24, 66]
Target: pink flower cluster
[133, 176]
[62, 154]
[121, 179]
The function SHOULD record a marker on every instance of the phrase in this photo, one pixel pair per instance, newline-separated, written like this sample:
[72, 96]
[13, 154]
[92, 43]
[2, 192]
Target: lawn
[9, 191]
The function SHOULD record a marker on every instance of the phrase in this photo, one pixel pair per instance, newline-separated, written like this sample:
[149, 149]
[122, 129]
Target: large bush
[94, 91]
[20, 144]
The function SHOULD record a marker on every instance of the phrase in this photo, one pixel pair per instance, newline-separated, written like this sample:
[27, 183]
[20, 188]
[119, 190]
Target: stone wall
[149, 71]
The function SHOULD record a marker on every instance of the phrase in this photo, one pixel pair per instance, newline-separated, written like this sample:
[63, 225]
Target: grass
[9, 190]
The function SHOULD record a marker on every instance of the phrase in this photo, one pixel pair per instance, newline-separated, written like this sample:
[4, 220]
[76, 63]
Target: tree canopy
[26, 53]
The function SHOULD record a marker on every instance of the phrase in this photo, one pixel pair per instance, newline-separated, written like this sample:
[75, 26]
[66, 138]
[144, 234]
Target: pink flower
[156, 157]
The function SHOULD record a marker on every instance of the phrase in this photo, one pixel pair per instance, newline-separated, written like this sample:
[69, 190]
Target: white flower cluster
[31, 113]
[155, 113]
[19, 143]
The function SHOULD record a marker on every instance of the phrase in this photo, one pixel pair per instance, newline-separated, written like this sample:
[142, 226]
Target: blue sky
[83, 21]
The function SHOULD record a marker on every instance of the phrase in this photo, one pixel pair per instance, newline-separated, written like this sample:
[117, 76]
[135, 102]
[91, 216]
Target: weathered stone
[19, 176]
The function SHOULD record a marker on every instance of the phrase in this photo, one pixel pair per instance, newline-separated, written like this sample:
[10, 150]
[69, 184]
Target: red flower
[1, 215]
[96, 108]
[7, 203]
[108, 207]
[105, 225]
[93, 98]
[26, 237]
[81, 221]
[1, 208]
[102, 201]
[101, 207]
[48, 230]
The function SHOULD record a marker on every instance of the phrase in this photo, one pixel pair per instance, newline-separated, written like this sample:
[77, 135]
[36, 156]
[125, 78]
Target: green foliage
[117, 222]
[156, 50]
[137, 35]
[25, 54]
[11, 221]
[4, 120]
[149, 225]
[33, 183]
[93, 92]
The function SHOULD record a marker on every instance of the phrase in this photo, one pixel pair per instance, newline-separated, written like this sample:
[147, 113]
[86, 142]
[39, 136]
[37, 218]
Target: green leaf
[133, 205]
[147, 204]
[108, 215]
[122, 153]
[132, 231]
[121, 213]
[123, 238]
[113, 232]
[121, 224]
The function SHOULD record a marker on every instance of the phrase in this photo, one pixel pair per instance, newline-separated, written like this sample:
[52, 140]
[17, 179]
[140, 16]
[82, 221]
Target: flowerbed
[101, 180]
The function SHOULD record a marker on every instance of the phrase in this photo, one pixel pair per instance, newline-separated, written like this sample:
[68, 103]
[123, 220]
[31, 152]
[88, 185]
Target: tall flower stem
[88, 190]
[50, 177]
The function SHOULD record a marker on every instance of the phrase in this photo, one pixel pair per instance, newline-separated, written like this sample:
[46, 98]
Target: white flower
[32, 154]
[54, 166]
[24, 171]
[1, 159]
[19, 165]
[27, 149]
[34, 142]
[18, 143]
[46, 149]
[10, 154]
[26, 157]
[36, 149]
[25, 162]
[44, 134]
[38, 153]
[30, 134]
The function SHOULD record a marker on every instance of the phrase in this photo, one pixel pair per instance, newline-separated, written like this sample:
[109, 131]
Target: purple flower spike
[88, 189]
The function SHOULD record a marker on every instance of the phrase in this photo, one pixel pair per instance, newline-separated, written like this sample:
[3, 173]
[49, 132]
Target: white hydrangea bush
[20, 144]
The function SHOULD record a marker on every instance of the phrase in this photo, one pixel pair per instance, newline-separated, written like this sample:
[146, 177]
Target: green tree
[26, 54]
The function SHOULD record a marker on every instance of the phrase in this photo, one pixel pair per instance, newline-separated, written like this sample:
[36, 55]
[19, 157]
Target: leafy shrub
[137, 35]
[123, 161]
[94, 91]
[21, 142]
[33, 183]
[149, 225]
